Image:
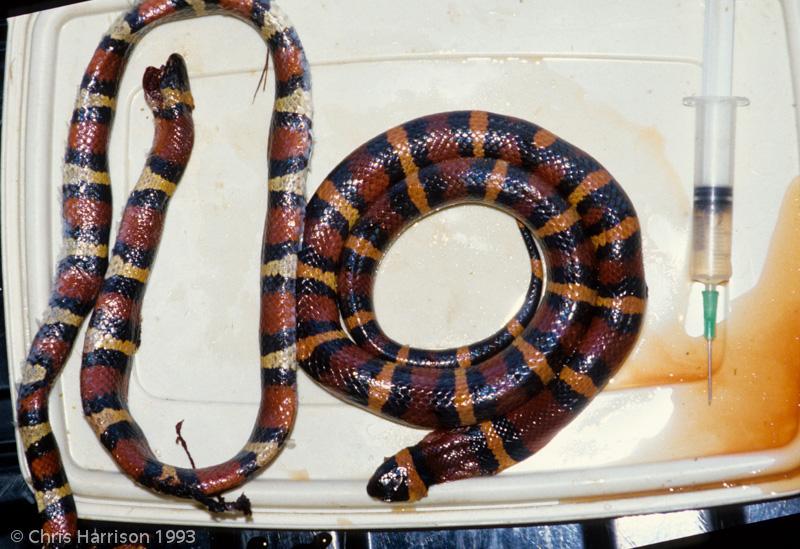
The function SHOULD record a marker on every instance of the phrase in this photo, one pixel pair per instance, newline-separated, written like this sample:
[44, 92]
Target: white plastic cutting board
[608, 77]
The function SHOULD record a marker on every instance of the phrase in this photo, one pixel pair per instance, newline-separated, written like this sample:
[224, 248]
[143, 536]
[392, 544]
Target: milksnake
[490, 407]
[114, 330]
[492, 404]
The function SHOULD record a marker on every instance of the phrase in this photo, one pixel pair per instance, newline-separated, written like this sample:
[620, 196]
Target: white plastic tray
[609, 78]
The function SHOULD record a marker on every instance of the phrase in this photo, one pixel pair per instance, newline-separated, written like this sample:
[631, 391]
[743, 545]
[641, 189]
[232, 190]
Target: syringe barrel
[713, 187]
[712, 223]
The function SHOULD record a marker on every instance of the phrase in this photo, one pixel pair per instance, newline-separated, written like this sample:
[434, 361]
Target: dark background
[776, 523]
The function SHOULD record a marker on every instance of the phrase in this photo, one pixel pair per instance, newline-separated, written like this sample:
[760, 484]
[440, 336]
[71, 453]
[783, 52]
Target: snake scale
[491, 404]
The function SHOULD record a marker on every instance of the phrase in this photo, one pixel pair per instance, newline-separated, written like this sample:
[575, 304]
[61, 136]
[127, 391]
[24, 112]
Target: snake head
[390, 482]
[398, 479]
[168, 86]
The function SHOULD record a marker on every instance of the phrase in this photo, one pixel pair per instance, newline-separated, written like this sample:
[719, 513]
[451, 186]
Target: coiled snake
[492, 404]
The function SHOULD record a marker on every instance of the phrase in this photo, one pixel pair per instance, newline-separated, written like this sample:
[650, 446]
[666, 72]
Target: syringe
[715, 119]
